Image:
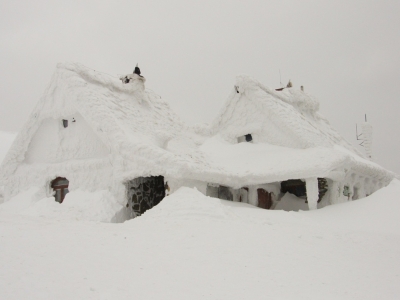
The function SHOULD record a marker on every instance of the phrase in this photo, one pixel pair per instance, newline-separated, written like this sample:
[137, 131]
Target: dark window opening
[297, 187]
[346, 191]
[60, 186]
[225, 193]
[144, 193]
[65, 123]
[322, 188]
[219, 191]
[245, 138]
[244, 194]
[356, 193]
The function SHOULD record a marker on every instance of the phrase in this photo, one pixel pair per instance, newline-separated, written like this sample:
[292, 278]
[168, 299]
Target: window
[245, 138]
[347, 192]
[60, 186]
[225, 193]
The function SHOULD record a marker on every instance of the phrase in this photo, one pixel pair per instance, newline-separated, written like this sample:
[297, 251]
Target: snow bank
[78, 205]
[187, 203]
[378, 213]
[290, 202]
[195, 247]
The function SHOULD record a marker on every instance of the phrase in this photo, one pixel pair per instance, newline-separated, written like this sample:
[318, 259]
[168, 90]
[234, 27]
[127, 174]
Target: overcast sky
[346, 53]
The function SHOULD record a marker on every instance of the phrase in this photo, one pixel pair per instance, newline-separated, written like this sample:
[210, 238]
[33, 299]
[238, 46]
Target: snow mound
[290, 202]
[378, 213]
[194, 247]
[78, 205]
[188, 204]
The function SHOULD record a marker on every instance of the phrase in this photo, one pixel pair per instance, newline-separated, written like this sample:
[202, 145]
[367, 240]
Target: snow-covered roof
[136, 123]
[286, 118]
[139, 128]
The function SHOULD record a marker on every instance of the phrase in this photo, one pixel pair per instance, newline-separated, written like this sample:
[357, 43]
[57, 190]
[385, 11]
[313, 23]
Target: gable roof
[135, 123]
[286, 118]
[296, 138]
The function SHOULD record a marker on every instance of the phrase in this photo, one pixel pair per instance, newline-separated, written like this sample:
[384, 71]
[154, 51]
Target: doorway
[144, 193]
[264, 199]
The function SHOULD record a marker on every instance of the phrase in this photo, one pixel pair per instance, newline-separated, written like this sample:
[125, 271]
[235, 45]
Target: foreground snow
[195, 247]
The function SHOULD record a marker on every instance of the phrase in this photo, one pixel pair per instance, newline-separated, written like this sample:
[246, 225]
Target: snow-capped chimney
[134, 77]
[137, 70]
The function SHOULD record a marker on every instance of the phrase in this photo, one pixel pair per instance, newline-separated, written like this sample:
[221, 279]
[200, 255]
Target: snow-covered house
[89, 132]
[277, 142]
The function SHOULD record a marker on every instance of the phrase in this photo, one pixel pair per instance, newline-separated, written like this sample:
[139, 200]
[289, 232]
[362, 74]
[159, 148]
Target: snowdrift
[195, 247]
[79, 205]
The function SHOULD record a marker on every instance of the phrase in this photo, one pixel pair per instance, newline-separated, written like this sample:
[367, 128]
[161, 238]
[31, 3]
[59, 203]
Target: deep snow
[195, 247]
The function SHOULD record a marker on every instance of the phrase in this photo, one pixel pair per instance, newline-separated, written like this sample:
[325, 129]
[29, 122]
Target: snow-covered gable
[290, 138]
[123, 120]
[287, 118]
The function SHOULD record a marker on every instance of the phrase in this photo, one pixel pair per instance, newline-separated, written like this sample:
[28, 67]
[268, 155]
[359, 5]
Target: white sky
[347, 53]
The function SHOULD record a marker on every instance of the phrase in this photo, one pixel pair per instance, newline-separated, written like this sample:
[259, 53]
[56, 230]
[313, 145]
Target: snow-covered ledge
[312, 192]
